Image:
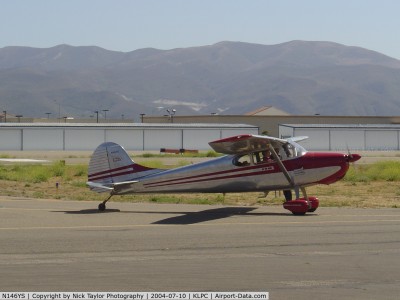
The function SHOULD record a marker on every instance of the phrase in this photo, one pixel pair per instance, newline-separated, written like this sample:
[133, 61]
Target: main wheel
[102, 207]
[298, 213]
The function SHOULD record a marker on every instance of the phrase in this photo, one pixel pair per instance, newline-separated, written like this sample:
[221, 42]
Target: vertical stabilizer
[111, 164]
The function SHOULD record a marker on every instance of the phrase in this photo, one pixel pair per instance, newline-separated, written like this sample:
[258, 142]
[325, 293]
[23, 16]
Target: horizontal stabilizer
[107, 187]
[99, 187]
[125, 183]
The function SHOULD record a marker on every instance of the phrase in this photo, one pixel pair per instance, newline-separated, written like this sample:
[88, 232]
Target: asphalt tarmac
[335, 253]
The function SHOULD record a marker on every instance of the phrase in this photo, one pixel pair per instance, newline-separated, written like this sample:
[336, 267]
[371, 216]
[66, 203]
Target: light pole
[59, 110]
[5, 116]
[97, 116]
[105, 113]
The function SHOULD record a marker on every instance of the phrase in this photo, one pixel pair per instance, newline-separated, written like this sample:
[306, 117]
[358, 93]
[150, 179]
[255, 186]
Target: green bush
[387, 170]
[80, 170]
[58, 169]
[212, 154]
[382, 170]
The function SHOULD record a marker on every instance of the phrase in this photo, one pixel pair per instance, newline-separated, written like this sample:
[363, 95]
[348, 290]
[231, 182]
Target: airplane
[252, 163]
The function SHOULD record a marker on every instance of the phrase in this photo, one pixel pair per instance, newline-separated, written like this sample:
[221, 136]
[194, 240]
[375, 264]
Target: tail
[111, 166]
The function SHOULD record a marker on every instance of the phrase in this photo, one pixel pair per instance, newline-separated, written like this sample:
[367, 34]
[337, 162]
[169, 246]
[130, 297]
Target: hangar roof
[348, 126]
[126, 125]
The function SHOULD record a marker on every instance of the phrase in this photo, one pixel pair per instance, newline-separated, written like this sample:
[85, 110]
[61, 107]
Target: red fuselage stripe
[187, 180]
[210, 174]
[108, 173]
[132, 168]
[111, 170]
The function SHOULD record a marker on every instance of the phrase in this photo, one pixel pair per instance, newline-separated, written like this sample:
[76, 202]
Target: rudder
[111, 164]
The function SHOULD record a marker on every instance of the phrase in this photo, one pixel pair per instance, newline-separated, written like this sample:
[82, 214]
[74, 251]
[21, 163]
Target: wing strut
[289, 178]
[281, 166]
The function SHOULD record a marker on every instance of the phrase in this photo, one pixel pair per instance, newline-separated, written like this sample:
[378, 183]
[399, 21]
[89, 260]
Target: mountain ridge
[300, 77]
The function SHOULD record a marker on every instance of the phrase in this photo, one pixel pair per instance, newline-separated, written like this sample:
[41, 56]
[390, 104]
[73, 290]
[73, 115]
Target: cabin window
[243, 160]
[262, 157]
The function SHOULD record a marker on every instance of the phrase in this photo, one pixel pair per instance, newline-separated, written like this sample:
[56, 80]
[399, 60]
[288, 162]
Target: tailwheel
[102, 206]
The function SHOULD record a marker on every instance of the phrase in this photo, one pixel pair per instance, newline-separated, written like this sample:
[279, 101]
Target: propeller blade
[353, 157]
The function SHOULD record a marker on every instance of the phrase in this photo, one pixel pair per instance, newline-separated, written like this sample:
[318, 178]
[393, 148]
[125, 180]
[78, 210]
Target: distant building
[344, 137]
[267, 111]
[134, 136]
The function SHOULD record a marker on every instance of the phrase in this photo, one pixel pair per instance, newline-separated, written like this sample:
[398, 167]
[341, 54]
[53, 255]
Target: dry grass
[377, 194]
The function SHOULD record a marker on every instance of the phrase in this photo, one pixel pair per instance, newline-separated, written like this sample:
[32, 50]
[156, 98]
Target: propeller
[352, 157]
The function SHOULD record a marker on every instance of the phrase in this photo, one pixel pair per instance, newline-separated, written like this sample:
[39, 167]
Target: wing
[241, 144]
[297, 139]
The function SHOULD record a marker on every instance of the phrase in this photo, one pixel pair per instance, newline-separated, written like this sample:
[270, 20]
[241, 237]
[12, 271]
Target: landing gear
[288, 195]
[102, 206]
[300, 206]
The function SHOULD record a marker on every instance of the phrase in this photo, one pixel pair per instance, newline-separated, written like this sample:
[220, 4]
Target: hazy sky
[126, 25]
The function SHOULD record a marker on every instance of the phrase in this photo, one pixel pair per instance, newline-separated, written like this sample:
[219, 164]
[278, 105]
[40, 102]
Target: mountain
[299, 77]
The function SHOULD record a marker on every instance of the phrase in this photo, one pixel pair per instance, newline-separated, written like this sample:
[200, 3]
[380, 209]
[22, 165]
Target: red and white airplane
[253, 163]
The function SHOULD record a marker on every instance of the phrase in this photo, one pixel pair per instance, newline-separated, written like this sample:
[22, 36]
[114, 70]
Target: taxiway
[335, 253]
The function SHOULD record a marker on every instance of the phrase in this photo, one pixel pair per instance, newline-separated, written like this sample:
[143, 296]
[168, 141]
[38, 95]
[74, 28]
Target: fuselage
[228, 174]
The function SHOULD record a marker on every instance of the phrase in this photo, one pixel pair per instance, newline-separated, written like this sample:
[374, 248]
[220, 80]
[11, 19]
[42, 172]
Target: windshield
[286, 151]
[293, 150]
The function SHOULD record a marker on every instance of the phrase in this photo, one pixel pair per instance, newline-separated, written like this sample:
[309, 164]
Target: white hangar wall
[10, 139]
[344, 137]
[139, 137]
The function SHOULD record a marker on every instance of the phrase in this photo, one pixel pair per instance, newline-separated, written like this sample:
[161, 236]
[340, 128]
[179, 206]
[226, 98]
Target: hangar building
[133, 136]
[344, 137]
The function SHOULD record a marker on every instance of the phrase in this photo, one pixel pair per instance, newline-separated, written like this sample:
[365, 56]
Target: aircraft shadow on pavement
[186, 218]
[205, 215]
[88, 211]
